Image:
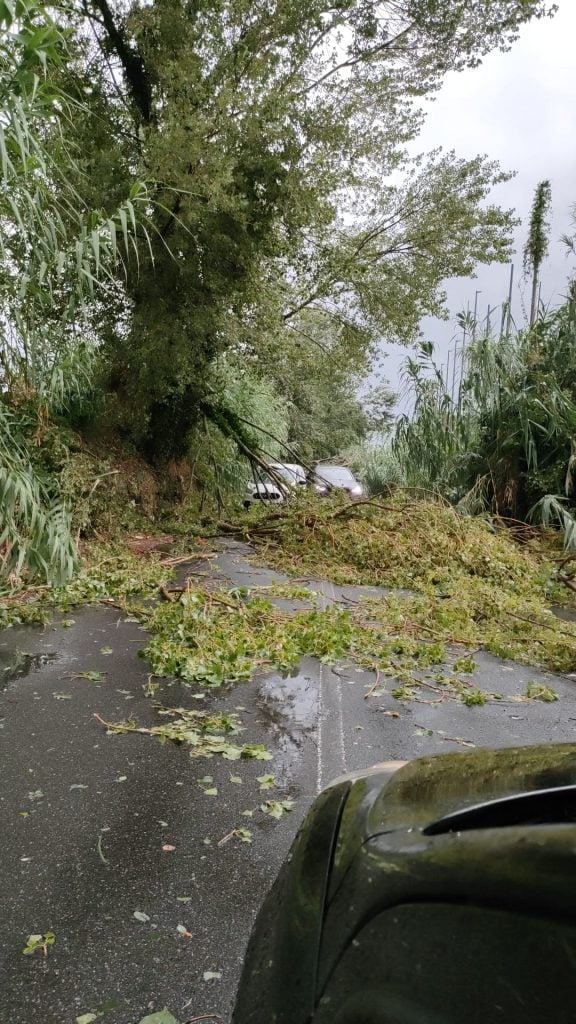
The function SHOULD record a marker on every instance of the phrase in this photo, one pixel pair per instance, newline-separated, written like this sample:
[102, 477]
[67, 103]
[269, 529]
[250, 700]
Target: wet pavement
[89, 820]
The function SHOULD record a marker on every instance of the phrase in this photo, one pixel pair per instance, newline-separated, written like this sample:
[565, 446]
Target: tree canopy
[273, 141]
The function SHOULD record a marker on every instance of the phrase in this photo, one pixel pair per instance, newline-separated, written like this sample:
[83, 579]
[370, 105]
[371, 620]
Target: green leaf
[86, 1018]
[141, 916]
[276, 808]
[39, 942]
[160, 1017]
[257, 751]
[266, 781]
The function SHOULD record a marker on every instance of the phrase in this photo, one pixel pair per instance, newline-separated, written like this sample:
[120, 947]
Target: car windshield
[338, 475]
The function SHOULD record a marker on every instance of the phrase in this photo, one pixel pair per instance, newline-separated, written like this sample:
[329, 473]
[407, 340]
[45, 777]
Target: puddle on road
[290, 707]
[18, 664]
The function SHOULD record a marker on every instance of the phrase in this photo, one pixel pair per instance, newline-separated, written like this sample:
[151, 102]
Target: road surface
[87, 818]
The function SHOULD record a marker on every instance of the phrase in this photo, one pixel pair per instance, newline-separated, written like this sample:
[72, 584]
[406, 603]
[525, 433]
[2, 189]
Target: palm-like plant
[505, 439]
[55, 258]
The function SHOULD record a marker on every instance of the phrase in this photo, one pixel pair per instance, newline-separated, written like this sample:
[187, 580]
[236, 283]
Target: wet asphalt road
[85, 816]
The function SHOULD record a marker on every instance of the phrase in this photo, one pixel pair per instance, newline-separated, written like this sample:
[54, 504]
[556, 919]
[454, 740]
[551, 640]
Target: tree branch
[132, 62]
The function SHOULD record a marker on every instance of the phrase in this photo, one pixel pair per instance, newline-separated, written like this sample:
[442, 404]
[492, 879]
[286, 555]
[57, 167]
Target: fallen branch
[541, 625]
[123, 726]
[194, 556]
[353, 505]
[457, 739]
[203, 1016]
[567, 582]
[374, 686]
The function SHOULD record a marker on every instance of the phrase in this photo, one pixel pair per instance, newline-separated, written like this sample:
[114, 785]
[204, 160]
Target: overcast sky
[518, 108]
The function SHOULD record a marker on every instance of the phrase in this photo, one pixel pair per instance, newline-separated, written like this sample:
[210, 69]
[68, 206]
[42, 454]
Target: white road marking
[334, 702]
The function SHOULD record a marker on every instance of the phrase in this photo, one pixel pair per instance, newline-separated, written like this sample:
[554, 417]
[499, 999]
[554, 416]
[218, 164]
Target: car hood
[263, 488]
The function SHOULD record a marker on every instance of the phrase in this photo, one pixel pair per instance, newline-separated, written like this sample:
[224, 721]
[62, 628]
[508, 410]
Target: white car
[268, 489]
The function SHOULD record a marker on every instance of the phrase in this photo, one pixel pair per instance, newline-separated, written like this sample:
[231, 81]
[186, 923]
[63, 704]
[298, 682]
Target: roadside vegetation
[205, 235]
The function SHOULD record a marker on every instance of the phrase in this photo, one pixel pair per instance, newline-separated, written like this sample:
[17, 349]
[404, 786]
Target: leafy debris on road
[465, 585]
[538, 691]
[276, 808]
[40, 942]
[204, 732]
[243, 834]
[471, 583]
[226, 635]
[160, 1017]
[109, 572]
[266, 781]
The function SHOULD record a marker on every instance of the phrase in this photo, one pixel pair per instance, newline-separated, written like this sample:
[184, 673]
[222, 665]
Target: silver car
[326, 478]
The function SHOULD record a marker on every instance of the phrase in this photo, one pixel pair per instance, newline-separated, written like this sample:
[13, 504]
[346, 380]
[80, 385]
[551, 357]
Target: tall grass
[56, 257]
[503, 440]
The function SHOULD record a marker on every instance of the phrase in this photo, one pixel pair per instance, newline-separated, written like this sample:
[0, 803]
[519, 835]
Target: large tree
[273, 137]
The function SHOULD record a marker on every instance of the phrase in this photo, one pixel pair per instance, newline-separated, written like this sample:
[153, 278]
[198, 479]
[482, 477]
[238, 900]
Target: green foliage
[376, 466]
[205, 733]
[505, 439]
[468, 583]
[41, 942]
[217, 638]
[537, 243]
[276, 808]
[35, 529]
[267, 139]
[56, 256]
[466, 665]
[538, 691]
[200, 252]
[107, 572]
